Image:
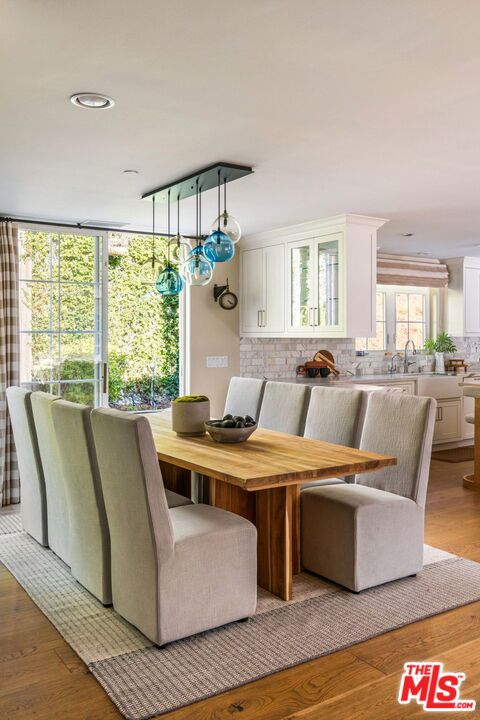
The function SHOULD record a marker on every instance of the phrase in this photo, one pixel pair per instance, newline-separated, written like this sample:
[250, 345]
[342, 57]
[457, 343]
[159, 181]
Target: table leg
[176, 479]
[276, 514]
[274, 511]
[472, 482]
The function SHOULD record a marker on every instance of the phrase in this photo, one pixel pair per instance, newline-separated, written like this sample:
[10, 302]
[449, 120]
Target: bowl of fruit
[231, 428]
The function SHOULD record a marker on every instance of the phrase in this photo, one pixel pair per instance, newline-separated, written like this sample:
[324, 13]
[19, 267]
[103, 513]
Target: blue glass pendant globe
[169, 281]
[218, 247]
[197, 269]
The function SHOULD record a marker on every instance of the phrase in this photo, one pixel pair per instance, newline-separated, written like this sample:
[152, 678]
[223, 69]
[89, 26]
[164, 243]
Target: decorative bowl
[229, 435]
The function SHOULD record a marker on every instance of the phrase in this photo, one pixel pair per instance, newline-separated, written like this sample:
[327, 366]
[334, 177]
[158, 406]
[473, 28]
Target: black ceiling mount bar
[207, 178]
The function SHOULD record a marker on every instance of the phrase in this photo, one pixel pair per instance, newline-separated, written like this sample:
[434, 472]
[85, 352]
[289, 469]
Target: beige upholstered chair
[284, 407]
[175, 572]
[34, 502]
[57, 509]
[244, 396]
[371, 532]
[88, 527]
[333, 416]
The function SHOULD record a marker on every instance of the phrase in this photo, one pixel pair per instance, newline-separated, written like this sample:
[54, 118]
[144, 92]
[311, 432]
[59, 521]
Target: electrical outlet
[217, 361]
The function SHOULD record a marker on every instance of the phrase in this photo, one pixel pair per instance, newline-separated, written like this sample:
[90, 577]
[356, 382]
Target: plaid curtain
[9, 358]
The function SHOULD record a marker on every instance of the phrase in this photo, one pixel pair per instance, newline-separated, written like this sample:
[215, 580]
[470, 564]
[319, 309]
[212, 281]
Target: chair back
[400, 425]
[141, 534]
[89, 535]
[244, 397]
[333, 415]
[57, 508]
[284, 407]
[34, 502]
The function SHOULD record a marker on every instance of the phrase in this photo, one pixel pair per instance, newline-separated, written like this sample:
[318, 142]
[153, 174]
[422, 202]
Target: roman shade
[407, 270]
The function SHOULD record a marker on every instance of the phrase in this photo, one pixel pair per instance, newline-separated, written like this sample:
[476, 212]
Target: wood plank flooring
[41, 678]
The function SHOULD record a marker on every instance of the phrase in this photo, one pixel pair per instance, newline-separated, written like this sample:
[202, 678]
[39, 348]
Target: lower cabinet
[449, 421]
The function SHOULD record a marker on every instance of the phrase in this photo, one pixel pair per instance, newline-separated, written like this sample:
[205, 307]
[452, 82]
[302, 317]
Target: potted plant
[189, 414]
[443, 344]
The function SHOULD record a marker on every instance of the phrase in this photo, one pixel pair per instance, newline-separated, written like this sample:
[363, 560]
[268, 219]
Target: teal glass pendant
[218, 247]
[169, 281]
[197, 269]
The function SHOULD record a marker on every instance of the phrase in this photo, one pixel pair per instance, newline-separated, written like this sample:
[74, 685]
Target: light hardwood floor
[42, 678]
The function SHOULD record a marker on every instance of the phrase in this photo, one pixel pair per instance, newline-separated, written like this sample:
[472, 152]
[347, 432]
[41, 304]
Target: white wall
[213, 331]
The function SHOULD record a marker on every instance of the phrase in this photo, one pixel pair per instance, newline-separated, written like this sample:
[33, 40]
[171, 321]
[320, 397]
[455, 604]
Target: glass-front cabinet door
[300, 291]
[314, 297]
[327, 282]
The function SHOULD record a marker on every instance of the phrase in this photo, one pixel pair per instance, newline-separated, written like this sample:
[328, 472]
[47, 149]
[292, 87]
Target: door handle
[310, 311]
[315, 316]
[259, 318]
[105, 378]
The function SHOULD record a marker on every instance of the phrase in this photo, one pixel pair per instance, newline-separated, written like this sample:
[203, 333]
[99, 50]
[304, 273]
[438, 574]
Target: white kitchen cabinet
[322, 284]
[407, 387]
[448, 421]
[463, 296]
[262, 290]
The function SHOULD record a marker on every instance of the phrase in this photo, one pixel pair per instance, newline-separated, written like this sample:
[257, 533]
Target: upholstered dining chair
[244, 397]
[57, 509]
[34, 501]
[89, 536]
[284, 407]
[371, 532]
[334, 416]
[175, 572]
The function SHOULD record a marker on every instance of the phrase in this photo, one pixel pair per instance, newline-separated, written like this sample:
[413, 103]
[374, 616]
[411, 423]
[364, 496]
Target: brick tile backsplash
[276, 358]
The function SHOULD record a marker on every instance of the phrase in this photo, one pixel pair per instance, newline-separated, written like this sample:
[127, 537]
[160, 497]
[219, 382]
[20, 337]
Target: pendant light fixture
[179, 246]
[198, 269]
[218, 245]
[150, 268]
[226, 222]
[169, 281]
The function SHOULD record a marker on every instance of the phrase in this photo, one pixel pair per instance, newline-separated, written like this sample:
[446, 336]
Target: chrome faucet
[407, 364]
[391, 369]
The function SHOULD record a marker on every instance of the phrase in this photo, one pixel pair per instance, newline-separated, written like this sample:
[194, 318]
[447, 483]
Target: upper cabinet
[463, 296]
[317, 279]
[262, 297]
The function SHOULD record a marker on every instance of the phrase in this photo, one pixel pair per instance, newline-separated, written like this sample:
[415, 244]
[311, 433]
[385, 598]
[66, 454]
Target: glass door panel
[301, 290]
[328, 283]
[60, 288]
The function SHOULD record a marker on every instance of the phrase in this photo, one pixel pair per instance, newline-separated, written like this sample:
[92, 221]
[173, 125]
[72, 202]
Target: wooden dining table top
[267, 459]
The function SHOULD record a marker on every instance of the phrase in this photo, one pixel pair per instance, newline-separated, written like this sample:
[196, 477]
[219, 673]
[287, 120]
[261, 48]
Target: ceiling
[368, 107]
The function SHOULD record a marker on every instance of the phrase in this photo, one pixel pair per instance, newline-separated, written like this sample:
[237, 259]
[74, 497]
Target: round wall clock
[228, 300]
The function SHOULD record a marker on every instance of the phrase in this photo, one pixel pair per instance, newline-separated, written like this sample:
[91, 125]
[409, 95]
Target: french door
[62, 313]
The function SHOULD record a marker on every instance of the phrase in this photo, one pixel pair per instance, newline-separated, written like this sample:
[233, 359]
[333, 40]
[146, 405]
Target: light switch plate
[217, 361]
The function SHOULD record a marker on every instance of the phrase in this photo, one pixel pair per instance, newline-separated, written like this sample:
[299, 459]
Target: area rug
[454, 455]
[143, 680]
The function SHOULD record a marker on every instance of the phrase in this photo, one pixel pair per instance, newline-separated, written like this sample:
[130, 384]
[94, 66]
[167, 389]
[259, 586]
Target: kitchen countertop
[347, 379]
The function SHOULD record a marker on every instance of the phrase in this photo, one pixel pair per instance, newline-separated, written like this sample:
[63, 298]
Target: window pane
[328, 283]
[34, 305]
[378, 342]
[416, 304]
[417, 334]
[34, 255]
[77, 357]
[300, 289]
[77, 307]
[78, 392]
[35, 357]
[402, 335]
[401, 306]
[77, 257]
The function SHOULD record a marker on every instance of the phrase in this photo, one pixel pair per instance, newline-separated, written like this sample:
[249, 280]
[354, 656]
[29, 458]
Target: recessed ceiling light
[406, 234]
[131, 172]
[93, 101]
[423, 253]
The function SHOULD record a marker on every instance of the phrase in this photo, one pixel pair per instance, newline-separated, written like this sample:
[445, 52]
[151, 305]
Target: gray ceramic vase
[189, 418]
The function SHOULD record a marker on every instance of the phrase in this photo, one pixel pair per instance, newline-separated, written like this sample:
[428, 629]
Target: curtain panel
[406, 270]
[9, 358]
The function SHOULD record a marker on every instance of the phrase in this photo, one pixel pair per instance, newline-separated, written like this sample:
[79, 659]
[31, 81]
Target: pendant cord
[218, 228]
[200, 216]
[168, 223]
[225, 201]
[153, 232]
[178, 220]
[196, 213]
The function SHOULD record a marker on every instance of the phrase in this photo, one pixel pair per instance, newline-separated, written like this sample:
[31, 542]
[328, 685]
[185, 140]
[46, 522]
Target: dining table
[259, 479]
